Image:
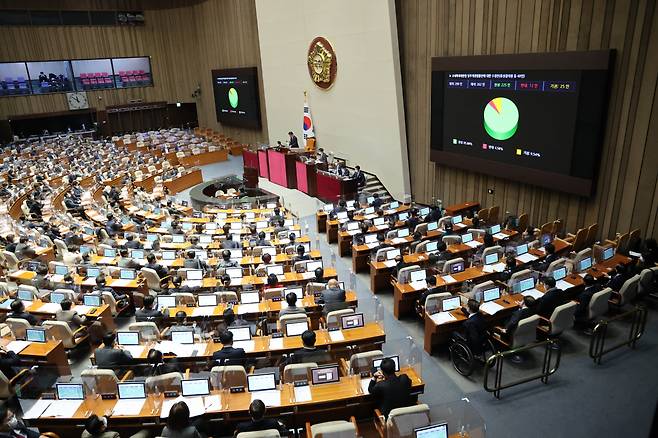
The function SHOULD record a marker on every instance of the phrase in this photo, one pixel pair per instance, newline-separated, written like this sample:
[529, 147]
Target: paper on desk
[498, 267]
[563, 285]
[6, 304]
[449, 279]
[121, 282]
[308, 275]
[247, 308]
[276, 343]
[534, 293]
[181, 350]
[303, 394]
[203, 311]
[370, 216]
[134, 350]
[418, 285]
[443, 317]
[36, 409]
[49, 308]
[365, 383]
[336, 335]
[104, 261]
[128, 406]
[398, 240]
[62, 408]
[82, 309]
[247, 346]
[491, 307]
[212, 403]
[381, 227]
[634, 254]
[17, 346]
[487, 269]
[526, 258]
[195, 404]
[193, 283]
[270, 398]
[473, 243]
[500, 236]
[353, 232]
[389, 263]
[91, 281]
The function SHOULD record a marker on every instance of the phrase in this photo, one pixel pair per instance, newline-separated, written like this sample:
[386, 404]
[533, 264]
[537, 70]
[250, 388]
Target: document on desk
[204, 311]
[91, 281]
[181, 350]
[276, 344]
[365, 383]
[134, 350]
[370, 216]
[637, 255]
[372, 245]
[193, 283]
[498, 267]
[247, 346]
[353, 232]
[398, 240]
[418, 285]
[303, 394]
[563, 285]
[212, 403]
[105, 260]
[381, 227]
[526, 258]
[17, 346]
[449, 279]
[62, 408]
[247, 308]
[534, 293]
[336, 336]
[270, 398]
[81, 309]
[49, 308]
[195, 404]
[500, 236]
[491, 307]
[390, 263]
[473, 243]
[128, 407]
[121, 283]
[488, 269]
[56, 278]
[36, 409]
[443, 317]
[308, 275]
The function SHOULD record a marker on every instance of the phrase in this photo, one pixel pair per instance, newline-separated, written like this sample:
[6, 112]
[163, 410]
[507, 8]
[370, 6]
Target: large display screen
[14, 79]
[236, 96]
[92, 74]
[534, 118]
[50, 76]
[132, 72]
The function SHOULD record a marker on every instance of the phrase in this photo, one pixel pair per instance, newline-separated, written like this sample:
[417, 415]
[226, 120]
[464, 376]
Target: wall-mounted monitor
[132, 72]
[14, 80]
[50, 76]
[92, 74]
[236, 97]
[537, 118]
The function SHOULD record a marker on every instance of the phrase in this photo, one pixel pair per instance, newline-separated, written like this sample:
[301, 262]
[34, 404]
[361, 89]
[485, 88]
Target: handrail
[597, 348]
[496, 361]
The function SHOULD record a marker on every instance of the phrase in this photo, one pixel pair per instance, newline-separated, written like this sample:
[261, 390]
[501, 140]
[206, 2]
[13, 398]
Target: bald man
[333, 297]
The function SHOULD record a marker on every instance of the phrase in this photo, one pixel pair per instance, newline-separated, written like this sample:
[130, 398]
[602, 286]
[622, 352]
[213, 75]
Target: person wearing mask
[332, 298]
[291, 300]
[258, 421]
[179, 424]
[390, 390]
[552, 298]
[111, 357]
[12, 427]
[96, 427]
[158, 268]
[228, 355]
[147, 312]
[18, 311]
[71, 317]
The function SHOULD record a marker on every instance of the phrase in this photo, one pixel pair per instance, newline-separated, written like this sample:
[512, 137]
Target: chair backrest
[227, 296]
[5, 390]
[18, 326]
[312, 288]
[478, 289]
[555, 265]
[483, 214]
[333, 317]
[268, 433]
[108, 299]
[623, 242]
[628, 291]
[648, 278]
[450, 263]
[184, 298]
[526, 331]
[152, 278]
[598, 305]
[290, 318]
[477, 232]
[405, 273]
[61, 331]
[433, 301]
[362, 362]
[402, 421]
[11, 261]
[62, 249]
[99, 381]
[580, 239]
[228, 376]
[381, 253]
[491, 250]
[334, 429]
[295, 372]
[421, 228]
[493, 214]
[148, 330]
[523, 221]
[562, 317]
[451, 239]
[271, 293]
[164, 383]
[592, 230]
[582, 254]
[444, 220]
[518, 276]
[68, 294]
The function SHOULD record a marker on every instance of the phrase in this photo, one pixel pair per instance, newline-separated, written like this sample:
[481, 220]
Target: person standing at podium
[292, 143]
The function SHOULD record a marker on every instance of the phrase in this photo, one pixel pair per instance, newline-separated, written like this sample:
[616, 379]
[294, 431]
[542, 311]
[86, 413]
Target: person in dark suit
[321, 157]
[389, 390]
[157, 365]
[258, 420]
[527, 309]
[309, 353]
[229, 243]
[131, 243]
[474, 329]
[158, 268]
[12, 427]
[359, 176]
[293, 143]
[618, 278]
[228, 355]
[301, 256]
[9, 361]
[550, 257]
[110, 357]
[333, 297]
[377, 202]
[18, 311]
[192, 262]
[591, 287]
[147, 312]
[552, 298]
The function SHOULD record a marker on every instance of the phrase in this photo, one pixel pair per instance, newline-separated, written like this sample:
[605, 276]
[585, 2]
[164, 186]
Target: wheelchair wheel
[462, 358]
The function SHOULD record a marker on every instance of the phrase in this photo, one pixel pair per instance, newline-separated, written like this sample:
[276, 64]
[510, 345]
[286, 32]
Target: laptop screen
[25, 295]
[109, 252]
[234, 272]
[433, 431]
[298, 291]
[521, 249]
[151, 237]
[195, 387]
[491, 258]
[608, 253]
[448, 304]
[261, 382]
[491, 294]
[166, 301]
[61, 269]
[128, 338]
[207, 300]
[261, 224]
[312, 266]
[394, 205]
[404, 232]
[85, 250]
[467, 237]
[275, 269]
[457, 219]
[403, 216]
[93, 272]
[269, 250]
[127, 274]
[378, 221]
[70, 391]
[236, 226]
[431, 226]
[249, 298]
[205, 238]
[183, 336]
[432, 246]
[236, 253]
[35, 335]
[585, 264]
[351, 226]
[56, 297]
[424, 211]
[187, 226]
[494, 229]
[137, 253]
[211, 226]
[352, 321]
[370, 238]
[456, 267]
[240, 333]
[326, 374]
[341, 215]
[168, 255]
[178, 238]
[419, 275]
[91, 300]
[194, 274]
[390, 255]
[369, 210]
[559, 273]
[526, 284]
[132, 390]
[378, 362]
[296, 328]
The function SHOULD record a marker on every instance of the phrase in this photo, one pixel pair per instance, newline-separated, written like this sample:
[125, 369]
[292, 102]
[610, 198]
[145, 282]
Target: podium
[306, 178]
[282, 167]
[330, 187]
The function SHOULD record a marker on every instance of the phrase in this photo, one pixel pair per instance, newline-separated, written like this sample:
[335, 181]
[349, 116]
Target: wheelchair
[464, 360]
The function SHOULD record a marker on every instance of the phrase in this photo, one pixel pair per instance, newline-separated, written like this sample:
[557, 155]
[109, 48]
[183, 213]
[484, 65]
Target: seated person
[309, 352]
[194, 243]
[12, 427]
[96, 427]
[377, 202]
[41, 281]
[390, 390]
[226, 261]
[179, 424]
[301, 256]
[69, 284]
[618, 277]
[69, 316]
[101, 287]
[550, 257]
[18, 311]
[431, 289]
[333, 297]
[24, 250]
[266, 260]
[192, 262]
[527, 309]
[158, 268]
[591, 287]
[552, 298]
[156, 364]
[125, 261]
[109, 356]
[261, 241]
[291, 300]
[279, 226]
[258, 420]
[131, 243]
[474, 329]
[229, 243]
[9, 363]
[147, 312]
[182, 325]
[228, 355]
[319, 276]
[272, 282]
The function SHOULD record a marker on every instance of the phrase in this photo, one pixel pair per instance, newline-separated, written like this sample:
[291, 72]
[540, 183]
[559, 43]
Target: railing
[551, 348]
[597, 348]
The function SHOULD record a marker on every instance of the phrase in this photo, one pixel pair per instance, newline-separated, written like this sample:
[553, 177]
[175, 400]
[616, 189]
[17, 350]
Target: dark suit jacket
[360, 178]
[144, 314]
[517, 316]
[23, 315]
[333, 299]
[262, 424]
[293, 143]
[229, 356]
[110, 358]
[584, 299]
[304, 355]
[551, 299]
[475, 332]
[394, 392]
[617, 282]
[159, 269]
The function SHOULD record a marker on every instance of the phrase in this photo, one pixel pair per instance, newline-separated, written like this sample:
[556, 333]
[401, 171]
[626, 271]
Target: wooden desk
[102, 313]
[186, 181]
[46, 354]
[204, 158]
[453, 210]
[282, 167]
[331, 187]
[321, 221]
[306, 178]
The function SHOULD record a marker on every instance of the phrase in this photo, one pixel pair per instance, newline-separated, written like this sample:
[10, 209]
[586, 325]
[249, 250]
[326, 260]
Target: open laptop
[585, 264]
[432, 431]
[167, 301]
[234, 272]
[325, 374]
[296, 328]
[131, 390]
[275, 269]
[311, 266]
[456, 268]
[70, 391]
[448, 304]
[350, 321]
[182, 336]
[261, 382]
[490, 294]
[57, 297]
[240, 333]
[137, 254]
[559, 275]
[207, 300]
[195, 387]
[249, 297]
[127, 274]
[491, 259]
[93, 272]
[608, 253]
[127, 338]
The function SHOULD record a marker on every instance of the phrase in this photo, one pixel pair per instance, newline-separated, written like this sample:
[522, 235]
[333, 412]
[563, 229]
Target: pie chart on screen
[501, 118]
[233, 97]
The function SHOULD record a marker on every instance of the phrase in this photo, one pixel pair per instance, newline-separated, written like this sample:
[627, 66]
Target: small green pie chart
[501, 118]
[233, 97]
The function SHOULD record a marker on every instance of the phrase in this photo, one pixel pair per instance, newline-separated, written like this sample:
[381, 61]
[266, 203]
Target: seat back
[62, 249]
[628, 291]
[99, 381]
[152, 279]
[518, 276]
[68, 294]
[18, 326]
[493, 214]
[444, 220]
[580, 239]
[562, 317]
[228, 376]
[402, 421]
[592, 231]
[333, 317]
[312, 288]
[526, 331]
[271, 293]
[28, 287]
[61, 331]
[380, 255]
[227, 297]
[289, 318]
[598, 305]
[164, 383]
[334, 429]
[450, 263]
[5, 390]
[478, 290]
[405, 273]
[148, 330]
[647, 281]
[296, 372]
[421, 228]
[555, 265]
[483, 214]
[362, 362]
[477, 232]
[491, 250]
[523, 221]
[451, 239]
[433, 302]
[184, 298]
[108, 299]
[268, 433]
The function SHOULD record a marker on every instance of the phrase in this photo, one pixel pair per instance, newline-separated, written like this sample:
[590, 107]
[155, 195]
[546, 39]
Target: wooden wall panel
[627, 194]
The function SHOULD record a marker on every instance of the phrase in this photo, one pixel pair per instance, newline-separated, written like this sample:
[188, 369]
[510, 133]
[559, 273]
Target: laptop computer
[195, 387]
[296, 328]
[131, 390]
[70, 391]
[261, 382]
[325, 374]
[490, 294]
[183, 336]
[35, 335]
[432, 431]
[127, 338]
